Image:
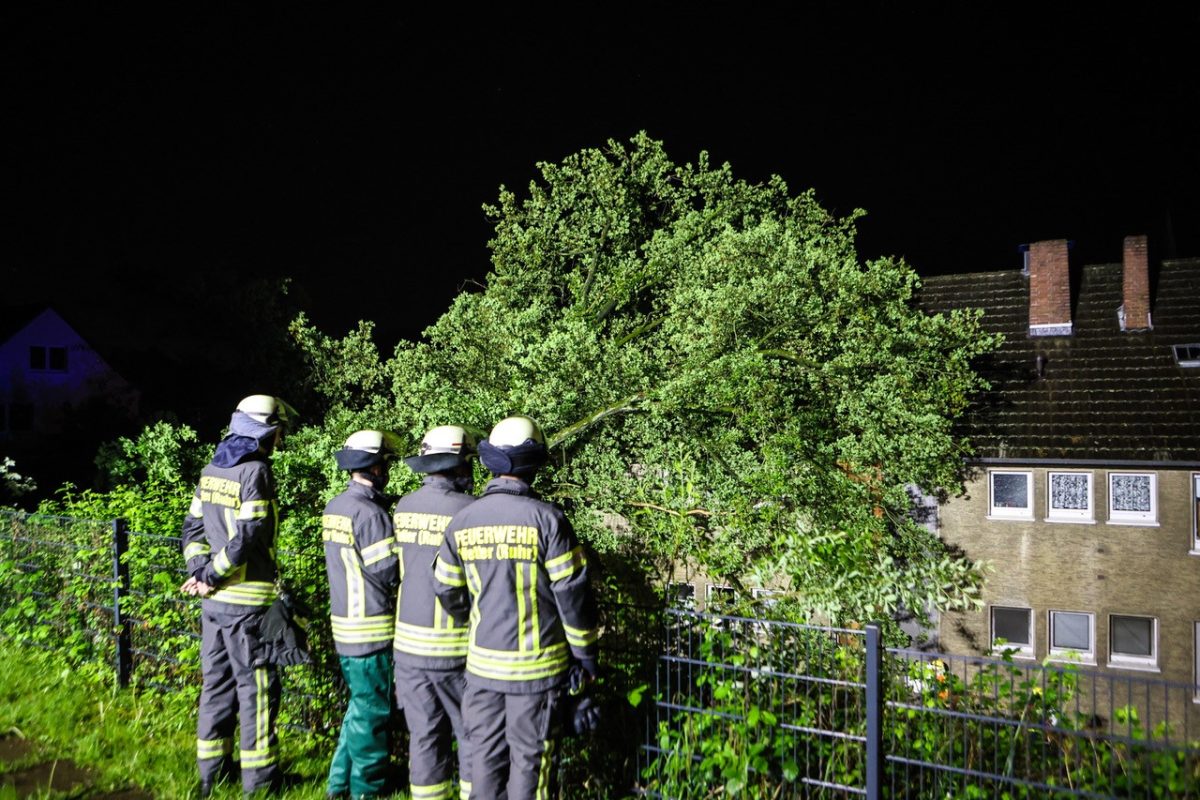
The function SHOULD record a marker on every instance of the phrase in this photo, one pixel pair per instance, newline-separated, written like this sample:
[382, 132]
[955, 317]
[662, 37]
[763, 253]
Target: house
[48, 374]
[1085, 489]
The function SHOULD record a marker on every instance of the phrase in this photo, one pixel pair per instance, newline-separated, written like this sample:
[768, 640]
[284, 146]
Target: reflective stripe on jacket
[229, 536]
[425, 635]
[513, 563]
[360, 559]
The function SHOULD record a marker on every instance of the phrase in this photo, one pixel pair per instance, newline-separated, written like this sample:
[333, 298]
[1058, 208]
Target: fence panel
[57, 587]
[966, 726]
[771, 709]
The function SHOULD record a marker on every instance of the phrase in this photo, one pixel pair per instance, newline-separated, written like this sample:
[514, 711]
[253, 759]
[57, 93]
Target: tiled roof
[1105, 394]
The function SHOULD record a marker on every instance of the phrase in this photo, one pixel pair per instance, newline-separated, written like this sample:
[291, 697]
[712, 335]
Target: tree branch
[622, 406]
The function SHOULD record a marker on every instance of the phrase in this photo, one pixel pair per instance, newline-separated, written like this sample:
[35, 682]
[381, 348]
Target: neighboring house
[49, 372]
[1085, 495]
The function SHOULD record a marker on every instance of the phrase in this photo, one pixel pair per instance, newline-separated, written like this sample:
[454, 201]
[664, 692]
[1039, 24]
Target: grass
[127, 738]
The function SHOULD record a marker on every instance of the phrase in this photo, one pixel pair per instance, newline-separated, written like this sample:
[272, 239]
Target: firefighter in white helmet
[361, 561]
[228, 542]
[511, 564]
[430, 647]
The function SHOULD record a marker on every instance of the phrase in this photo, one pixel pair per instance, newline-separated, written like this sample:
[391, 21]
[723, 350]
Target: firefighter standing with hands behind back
[430, 646]
[511, 562]
[228, 542]
[361, 562]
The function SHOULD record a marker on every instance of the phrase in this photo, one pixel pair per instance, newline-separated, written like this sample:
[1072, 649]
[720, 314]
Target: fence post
[874, 711]
[120, 590]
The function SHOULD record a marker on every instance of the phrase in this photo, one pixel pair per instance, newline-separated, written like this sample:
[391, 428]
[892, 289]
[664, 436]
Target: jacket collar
[367, 493]
[509, 486]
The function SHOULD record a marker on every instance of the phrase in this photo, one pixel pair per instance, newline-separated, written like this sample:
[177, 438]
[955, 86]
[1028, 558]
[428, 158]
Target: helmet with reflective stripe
[442, 449]
[365, 449]
[267, 409]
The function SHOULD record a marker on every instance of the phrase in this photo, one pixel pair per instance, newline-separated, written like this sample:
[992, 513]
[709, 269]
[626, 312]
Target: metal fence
[751, 707]
[775, 709]
[104, 595]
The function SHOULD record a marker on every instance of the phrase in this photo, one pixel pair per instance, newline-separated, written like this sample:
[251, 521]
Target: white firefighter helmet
[515, 446]
[267, 409]
[516, 430]
[364, 449]
[442, 448]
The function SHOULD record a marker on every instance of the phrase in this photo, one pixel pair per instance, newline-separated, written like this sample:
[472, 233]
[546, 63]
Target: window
[1133, 642]
[767, 597]
[1195, 654]
[1072, 633]
[1011, 495]
[42, 359]
[1196, 514]
[1015, 627]
[1196, 657]
[1187, 355]
[682, 595]
[718, 597]
[1069, 497]
[1132, 498]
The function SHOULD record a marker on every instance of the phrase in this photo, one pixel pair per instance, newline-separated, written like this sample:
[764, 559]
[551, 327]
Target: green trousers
[360, 763]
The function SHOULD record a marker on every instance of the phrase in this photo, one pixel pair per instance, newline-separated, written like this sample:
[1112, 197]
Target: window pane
[1131, 493]
[58, 358]
[1133, 636]
[1009, 491]
[1011, 624]
[37, 357]
[1072, 631]
[1068, 491]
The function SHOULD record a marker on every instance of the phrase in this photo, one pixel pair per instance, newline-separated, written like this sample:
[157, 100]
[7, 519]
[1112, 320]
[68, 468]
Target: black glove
[585, 716]
[590, 666]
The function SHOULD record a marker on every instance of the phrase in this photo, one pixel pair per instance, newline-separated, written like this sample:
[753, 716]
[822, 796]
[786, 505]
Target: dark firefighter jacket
[229, 535]
[361, 561]
[512, 561]
[426, 636]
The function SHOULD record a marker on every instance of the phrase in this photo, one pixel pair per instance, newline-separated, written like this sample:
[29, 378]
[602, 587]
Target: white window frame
[1025, 513]
[1184, 354]
[1086, 515]
[768, 597]
[1072, 653]
[1195, 514]
[678, 598]
[1023, 650]
[1134, 661]
[708, 593]
[1138, 518]
[1196, 658]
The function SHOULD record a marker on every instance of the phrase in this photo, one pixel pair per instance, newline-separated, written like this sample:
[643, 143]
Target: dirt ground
[58, 775]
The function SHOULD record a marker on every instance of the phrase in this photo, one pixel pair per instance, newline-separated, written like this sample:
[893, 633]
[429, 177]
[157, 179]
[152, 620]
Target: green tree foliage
[725, 385]
[724, 382]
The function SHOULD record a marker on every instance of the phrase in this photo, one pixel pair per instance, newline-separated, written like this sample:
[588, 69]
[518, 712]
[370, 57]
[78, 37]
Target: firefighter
[228, 542]
[510, 563]
[430, 647]
[360, 558]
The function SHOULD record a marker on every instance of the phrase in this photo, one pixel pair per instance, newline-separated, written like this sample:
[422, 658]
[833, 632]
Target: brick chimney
[1049, 289]
[1134, 313]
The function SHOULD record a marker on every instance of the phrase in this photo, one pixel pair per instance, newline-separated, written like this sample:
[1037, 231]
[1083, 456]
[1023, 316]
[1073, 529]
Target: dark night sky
[353, 152]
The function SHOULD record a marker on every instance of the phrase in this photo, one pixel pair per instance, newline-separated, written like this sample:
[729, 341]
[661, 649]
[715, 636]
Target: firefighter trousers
[360, 763]
[238, 681]
[431, 700]
[513, 738]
